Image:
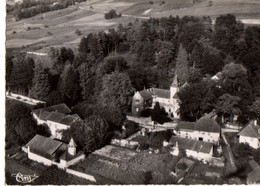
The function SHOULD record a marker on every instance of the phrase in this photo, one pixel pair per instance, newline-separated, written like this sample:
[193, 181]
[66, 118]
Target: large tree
[90, 134]
[182, 65]
[20, 127]
[115, 95]
[41, 85]
[255, 108]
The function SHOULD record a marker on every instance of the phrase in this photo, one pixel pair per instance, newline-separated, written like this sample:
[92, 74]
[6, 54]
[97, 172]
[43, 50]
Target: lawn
[137, 168]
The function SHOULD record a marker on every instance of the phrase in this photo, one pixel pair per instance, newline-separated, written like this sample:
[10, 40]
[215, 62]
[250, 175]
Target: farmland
[57, 28]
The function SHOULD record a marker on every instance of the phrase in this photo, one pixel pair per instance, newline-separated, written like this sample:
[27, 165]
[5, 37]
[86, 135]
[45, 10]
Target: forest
[101, 77]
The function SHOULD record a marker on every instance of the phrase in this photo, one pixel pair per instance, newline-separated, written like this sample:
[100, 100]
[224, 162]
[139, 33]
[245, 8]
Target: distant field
[57, 28]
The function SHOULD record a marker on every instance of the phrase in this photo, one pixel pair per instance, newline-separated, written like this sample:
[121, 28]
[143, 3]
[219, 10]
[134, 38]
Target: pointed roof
[72, 143]
[146, 94]
[251, 130]
[175, 82]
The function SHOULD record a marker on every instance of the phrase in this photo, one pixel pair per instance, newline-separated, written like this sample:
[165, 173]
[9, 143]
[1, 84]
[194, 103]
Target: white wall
[38, 158]
[207, 137]
[199, 155]
[253, 142]
[82, 175]
[75, 160]
[54, 126]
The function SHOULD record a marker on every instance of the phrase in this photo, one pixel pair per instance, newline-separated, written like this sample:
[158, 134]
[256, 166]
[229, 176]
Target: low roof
[146, 94]
[190, 144]
[161, 93]
[251, 130]
[204, 124]
[254, 175]
[43, 144]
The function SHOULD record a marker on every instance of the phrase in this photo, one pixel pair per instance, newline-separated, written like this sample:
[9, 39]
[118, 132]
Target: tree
[87, 81]
[70, 83]
[182, 65]
[255, 108]
[227, 32]
[20, 127]
[158, 114]
[90, 134]
[115, 96]
[228, 105]
[41, 84]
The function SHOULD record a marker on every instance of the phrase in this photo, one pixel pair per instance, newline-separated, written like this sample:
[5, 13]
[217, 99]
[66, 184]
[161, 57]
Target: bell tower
[174, 89]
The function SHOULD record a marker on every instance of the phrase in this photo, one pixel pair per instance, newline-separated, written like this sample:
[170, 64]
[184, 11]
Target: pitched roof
[161, 93]
[146, 94]
[44, 145]
[207, 124]
[251, 130]
[62, 108]
[175, 81]
[194, 145]
[185, 125]
[56, 117]
[68, 120]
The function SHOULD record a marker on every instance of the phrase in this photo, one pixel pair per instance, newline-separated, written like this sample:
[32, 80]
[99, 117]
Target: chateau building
[167, 99]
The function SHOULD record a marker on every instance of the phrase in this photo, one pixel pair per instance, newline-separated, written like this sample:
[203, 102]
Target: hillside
[57, 28]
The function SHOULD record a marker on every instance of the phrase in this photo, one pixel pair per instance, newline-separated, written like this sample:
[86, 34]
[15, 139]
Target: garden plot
[115, 152]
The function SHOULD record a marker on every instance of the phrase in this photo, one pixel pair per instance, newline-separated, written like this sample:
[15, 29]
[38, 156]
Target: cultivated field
[57, 28]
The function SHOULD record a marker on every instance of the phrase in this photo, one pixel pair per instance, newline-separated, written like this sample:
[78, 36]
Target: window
[137, 101]
[137, 109]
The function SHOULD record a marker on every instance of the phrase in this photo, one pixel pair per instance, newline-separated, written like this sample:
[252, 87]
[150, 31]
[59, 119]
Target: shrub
[14, 32]
[78, 32]
[49, 33]
[46, 26]
[112, 14]
[151, 2]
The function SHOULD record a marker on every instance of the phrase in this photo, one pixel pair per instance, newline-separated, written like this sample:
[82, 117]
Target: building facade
[205, 129]
[250, 135]
[167, 99]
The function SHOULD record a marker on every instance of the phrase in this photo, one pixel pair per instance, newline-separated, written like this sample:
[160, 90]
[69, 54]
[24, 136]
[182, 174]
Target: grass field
[57, 28]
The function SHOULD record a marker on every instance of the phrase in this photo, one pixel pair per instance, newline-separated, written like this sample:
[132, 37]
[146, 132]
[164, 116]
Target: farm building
[250, 134]
[53, 152]
[56, 117]
[193, 148]
[205, 129]
[167, 99]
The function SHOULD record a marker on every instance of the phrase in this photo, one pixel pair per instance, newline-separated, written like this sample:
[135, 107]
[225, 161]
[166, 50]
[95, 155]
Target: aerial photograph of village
[132, 92]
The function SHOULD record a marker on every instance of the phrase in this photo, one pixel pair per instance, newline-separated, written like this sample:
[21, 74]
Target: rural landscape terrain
[132, 92]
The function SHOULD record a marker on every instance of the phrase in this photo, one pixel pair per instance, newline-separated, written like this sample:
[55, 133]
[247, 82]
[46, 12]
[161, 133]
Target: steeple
[175, 81]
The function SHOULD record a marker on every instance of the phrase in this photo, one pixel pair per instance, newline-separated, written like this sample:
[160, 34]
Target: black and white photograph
[131, 92]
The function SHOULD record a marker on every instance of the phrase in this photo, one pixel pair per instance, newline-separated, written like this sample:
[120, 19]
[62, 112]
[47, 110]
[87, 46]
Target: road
[104, 12]
[230, 154]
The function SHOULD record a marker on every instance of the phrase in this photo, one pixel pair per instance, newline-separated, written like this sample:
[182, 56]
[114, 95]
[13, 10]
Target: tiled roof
[66, 156]
[207, 124]
[250, 130]
[161, 93]
[56, 117]
[68, 120]
[62, 108]
[194, 145]
[44, 145]
[185, 125]
[146, 94]
[203, 124]
[44, 114]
